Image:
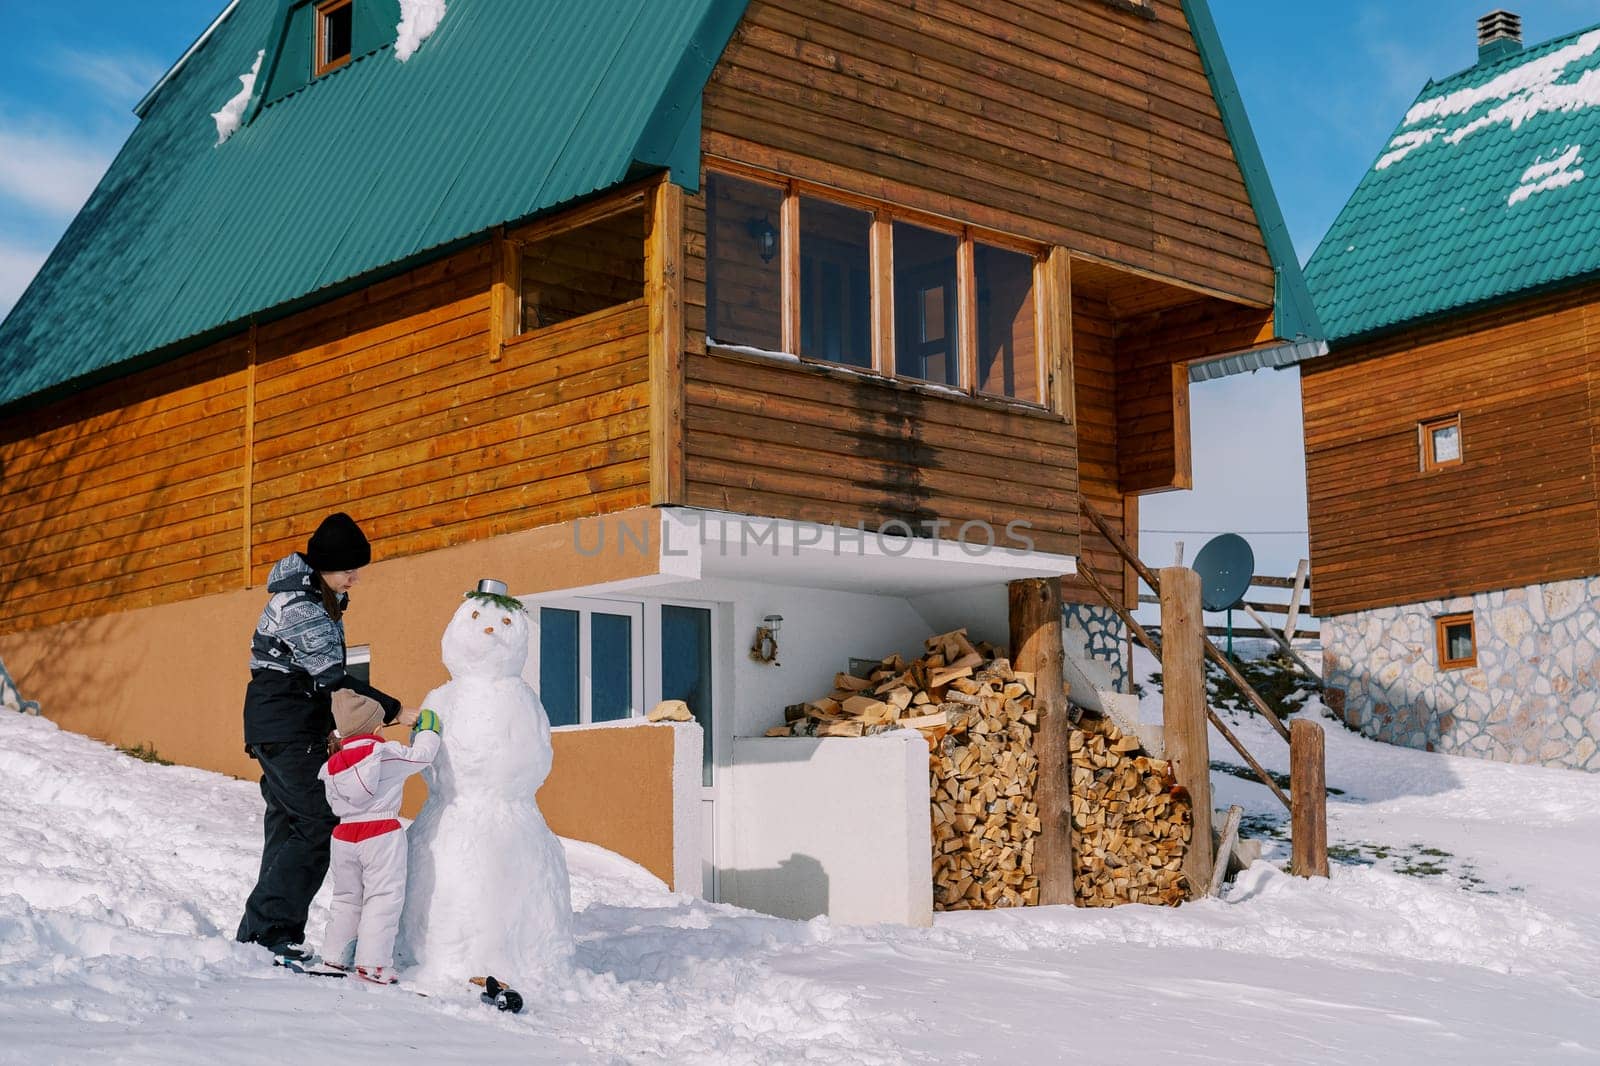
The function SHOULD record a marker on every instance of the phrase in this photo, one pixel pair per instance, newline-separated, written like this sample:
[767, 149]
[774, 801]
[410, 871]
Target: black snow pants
[294, 855]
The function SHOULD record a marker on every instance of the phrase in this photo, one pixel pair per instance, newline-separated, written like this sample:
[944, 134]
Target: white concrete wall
[836, 826]
[822, 630]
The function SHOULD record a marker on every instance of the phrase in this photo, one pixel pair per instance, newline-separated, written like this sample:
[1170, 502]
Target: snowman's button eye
[505, 621]
[474, 614]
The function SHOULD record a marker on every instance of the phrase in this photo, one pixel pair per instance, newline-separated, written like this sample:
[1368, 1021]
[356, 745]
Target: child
[364, 779]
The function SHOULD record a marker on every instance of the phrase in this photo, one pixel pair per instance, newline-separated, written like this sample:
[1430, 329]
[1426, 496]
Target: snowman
[487, 889]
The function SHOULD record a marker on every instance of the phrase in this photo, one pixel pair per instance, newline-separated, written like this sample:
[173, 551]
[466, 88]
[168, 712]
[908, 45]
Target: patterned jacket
[297, 660]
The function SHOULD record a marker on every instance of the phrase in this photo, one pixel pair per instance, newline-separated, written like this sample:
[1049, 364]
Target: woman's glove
[427, 722]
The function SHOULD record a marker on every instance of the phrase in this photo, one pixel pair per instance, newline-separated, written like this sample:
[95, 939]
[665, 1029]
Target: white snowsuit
[364, 780]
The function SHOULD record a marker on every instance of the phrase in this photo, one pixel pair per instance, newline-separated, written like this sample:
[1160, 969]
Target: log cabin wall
[1520, 508]
[1080, 124]
[194, 477]
[1094, 357]
[127, 495]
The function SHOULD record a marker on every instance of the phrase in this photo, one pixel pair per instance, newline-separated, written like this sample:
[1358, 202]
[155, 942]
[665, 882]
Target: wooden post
[1183, 674]
[1036, 645]
[1230, 834]
[1308, 819]
[664, 293]
[1301, 572]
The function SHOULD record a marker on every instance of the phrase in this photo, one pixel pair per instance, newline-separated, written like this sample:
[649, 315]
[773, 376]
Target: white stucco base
[836, 826]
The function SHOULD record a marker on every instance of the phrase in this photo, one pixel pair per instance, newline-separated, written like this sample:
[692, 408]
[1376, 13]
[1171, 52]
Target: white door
[680, 667]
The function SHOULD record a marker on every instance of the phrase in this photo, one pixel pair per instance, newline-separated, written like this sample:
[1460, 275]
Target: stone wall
[1533, 697]
[1104, 636]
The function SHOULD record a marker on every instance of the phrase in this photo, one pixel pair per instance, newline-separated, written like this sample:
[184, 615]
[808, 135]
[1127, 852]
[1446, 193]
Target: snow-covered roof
[1478, 196]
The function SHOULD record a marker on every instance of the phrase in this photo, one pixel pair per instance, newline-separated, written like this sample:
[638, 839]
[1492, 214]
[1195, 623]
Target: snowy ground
[1460, 925]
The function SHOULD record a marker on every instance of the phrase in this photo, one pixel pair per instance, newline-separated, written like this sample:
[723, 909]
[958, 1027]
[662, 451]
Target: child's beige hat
[354, 713]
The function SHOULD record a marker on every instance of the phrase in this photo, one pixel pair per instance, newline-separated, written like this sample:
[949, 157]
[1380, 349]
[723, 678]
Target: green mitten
[427, 721]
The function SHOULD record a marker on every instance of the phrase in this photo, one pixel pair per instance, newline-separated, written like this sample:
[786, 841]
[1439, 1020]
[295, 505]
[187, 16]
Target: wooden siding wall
[127, 495]
[1521, 508]
[1154, 350]
[382, 403]
[1094, 360]
[1075, 124]
[583, 270]
[806, 443]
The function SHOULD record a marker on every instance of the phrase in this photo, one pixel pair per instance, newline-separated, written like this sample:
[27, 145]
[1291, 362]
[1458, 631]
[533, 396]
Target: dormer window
[335, 35]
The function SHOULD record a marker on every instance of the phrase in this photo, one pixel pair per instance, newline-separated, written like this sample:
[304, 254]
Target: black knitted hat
[338, 544]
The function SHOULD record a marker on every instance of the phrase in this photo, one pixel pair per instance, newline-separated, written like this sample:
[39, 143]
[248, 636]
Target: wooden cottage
[687, 320]
[1451, 430]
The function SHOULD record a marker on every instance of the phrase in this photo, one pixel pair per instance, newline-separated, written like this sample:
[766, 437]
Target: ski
[501, 996]
[311, 967]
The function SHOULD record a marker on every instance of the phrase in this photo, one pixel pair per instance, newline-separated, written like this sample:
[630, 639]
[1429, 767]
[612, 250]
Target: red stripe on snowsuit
[352, 751]
[356, 832]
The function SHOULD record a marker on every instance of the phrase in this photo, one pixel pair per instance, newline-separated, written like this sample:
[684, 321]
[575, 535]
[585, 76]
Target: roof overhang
[1273, 357]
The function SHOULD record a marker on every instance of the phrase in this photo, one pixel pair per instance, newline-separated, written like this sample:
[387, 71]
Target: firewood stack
[1130, 821]
[978, 715]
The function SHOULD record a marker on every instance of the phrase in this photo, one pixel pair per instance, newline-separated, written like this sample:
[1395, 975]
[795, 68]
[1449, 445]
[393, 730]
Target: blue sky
[1324, 84]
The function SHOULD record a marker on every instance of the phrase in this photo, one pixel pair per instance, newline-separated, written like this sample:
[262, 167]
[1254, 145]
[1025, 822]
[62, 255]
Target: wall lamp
[765, 236]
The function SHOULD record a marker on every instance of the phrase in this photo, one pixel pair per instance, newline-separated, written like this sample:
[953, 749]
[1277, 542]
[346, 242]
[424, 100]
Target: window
[1008, 350]
[797, 269]
[835, 283]
[605, 660]
[1441, 442]
[358, 663]
[743, 293]
[578, 271]
[1458, 646]
[925, 302]
[587, 656]
[335, 24]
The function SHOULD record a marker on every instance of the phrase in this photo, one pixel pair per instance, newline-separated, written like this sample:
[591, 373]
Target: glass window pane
[925, 304]
[583, 270]
[610, 667]
[686, 668]
[835, 283]
[1446, 443]
[744, 294]
[1458, 641]
[1008, 363]
[336, 33]
[558, 664]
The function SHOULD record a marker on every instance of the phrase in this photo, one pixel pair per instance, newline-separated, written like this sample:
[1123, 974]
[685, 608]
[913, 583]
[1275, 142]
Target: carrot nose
[488, 629]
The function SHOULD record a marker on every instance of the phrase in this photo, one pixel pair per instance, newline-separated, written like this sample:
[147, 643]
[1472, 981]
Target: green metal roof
[1480, 196]
[509, 110]
[1294, 314]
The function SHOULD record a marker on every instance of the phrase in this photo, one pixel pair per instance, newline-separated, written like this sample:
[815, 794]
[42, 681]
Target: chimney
[1499, 36]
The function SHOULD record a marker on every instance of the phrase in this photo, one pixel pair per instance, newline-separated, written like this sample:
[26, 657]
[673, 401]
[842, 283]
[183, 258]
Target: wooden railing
[1307, 807]
[1283, 636]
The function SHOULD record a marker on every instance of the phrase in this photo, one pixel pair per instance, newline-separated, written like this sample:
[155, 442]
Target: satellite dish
[1226, 566]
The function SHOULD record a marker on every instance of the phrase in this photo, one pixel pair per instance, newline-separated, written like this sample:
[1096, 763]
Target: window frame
[1441, 632]
[511, 244]
[320, 63]
[1425, 431]
[882, 311]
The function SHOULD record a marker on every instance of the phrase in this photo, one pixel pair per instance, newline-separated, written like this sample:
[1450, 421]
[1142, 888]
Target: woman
[296, 664]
